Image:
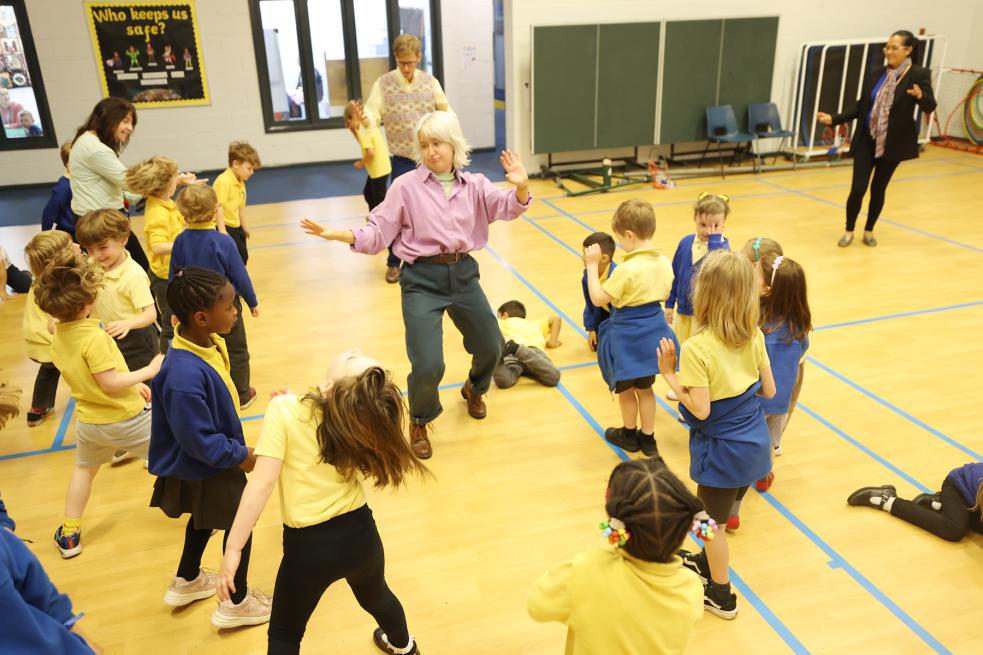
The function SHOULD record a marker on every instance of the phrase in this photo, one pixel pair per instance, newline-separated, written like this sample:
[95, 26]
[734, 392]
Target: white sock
[398, 651]
[887, 504]
[937, 506]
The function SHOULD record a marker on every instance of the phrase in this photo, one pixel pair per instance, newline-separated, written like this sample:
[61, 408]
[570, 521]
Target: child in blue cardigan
[197, 448]
[594, 315]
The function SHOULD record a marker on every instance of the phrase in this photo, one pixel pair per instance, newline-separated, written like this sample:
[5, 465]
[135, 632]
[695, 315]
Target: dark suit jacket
[901, 142]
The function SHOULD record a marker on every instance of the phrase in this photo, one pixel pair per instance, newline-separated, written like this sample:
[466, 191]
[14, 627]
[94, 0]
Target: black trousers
[951, 523]
[235, 341]
[718, 501]
[139, 346]
[45, 386]
[239, 236]
[158, 287]
[18, 280]
[864, 163]
[195, 542]
[346, 547]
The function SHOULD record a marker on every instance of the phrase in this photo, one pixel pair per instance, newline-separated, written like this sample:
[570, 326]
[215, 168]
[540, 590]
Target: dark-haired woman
[320, 447]
[633, 596]
[887, 131]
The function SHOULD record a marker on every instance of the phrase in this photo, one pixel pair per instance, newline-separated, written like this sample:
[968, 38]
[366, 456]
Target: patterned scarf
[882, 106]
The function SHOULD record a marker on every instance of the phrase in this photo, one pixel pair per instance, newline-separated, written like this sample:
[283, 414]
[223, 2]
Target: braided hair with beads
[193, 289]
[655, 506]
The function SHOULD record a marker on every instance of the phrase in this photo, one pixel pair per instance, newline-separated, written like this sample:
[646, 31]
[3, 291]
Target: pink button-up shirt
[420, 221]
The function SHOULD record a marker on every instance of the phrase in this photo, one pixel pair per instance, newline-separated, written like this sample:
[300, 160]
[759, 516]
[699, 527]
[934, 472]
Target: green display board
[597, 86]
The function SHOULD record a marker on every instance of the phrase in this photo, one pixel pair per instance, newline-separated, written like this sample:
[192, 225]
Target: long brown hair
[786, 301]
[361, 429]
[105, 116]
[725, 299]
[655, 506]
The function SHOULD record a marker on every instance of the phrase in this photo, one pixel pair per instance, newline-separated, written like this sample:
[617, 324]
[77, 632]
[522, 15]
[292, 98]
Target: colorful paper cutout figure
[168, 56]
[151, 55]
[134, 56]
[187, 59]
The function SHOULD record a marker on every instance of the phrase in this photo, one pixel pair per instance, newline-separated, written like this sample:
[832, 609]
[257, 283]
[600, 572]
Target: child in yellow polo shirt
[124, 303]
[633, 597]
[230, 187]
[157, 179]
[41, 250]
[627, 342]
[525, 341]
[111, 401]
[375, 160]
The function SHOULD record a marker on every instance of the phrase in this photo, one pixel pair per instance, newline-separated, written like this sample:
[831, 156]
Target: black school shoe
[697, 563]
[861, 497]
[624, 438]
[379, 638]
[718, 599]
[647, 443]
[926, 500]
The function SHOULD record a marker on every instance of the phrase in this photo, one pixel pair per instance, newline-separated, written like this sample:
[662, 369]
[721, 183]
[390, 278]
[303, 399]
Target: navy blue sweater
[58, 211]
[967, 479]
[195, 431]
[35, 618]
[683, 270]
[215, 251]
[593, 315]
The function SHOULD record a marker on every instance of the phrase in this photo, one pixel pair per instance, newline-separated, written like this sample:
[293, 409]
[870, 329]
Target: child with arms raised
[594, 315]
[320, 447]
[628, 341]
[723, 368]
[110, 399]
[633, 597]
[197, 449]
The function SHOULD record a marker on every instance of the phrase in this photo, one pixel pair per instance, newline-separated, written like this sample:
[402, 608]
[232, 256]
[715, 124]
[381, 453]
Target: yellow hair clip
[707, 194]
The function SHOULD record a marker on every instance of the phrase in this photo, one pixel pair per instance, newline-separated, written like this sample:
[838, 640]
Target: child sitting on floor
[525, 341]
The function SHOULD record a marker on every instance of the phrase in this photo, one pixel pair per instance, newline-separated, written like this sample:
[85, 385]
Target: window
[24, 118]
[313, 56]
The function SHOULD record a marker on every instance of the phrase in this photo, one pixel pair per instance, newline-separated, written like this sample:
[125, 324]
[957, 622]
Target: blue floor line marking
[886, 317]
[842, 563]
[867, 451]
[897, 410]
[881, 220]
[550, 235]
[913, 178]
[66, 420]
[31, 453]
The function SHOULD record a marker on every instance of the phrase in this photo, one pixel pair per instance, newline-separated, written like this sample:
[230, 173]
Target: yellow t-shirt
[311, 491]
[216, 356]
[231, 192]
[708, 362]
[614, 603]
[162, 223]
[124, 294]
[37, 339]
[79, 350]
[526, 332]
[371, 137]
[643, 276]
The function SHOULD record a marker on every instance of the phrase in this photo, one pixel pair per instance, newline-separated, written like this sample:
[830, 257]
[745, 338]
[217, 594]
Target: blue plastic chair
[764, 122]
[722, 128]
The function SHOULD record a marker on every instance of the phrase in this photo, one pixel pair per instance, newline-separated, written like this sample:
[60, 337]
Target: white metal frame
[940, 46]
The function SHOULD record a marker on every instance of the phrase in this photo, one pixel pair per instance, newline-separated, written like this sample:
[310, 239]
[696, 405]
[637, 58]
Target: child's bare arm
[598, 296]
[163, 248]
[695, 399]
[555, 324]
[220, 220]
[242, 221]
[3, 281]
[768, 388]
[112, 381]
[119, 329]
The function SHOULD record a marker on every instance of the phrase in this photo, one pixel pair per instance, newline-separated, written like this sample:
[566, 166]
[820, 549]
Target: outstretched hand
[824, 118]
[312, 228]
[515, 172]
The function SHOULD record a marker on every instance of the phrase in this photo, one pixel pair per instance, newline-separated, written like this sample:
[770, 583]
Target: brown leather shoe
[476, 406]
[392, 274]
[419, 441]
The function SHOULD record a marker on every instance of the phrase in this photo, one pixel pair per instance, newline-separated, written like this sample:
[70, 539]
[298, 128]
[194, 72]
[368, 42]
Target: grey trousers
[428, 290]
[526, 361]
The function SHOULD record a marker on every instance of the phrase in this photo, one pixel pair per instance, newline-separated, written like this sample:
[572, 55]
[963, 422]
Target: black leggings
[347, 546]
[18, 280]
[45, 386]
[195, 542]
[718, 501]
[951, 523]
[863, 164]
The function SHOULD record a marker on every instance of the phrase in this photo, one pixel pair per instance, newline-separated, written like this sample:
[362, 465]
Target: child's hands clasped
[667, 357]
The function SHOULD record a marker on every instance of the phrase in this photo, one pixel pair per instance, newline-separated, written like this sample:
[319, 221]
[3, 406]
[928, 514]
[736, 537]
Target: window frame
[312, 120]
[48, 139]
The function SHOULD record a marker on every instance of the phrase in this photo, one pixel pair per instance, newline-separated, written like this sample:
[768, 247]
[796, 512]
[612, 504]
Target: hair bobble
[179, 273]
[757, 249]
[703, 526]
[707, 194]
[774, 268]
[615, 532]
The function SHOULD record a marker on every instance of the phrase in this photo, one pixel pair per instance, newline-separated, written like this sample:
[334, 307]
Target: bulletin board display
[149, 52]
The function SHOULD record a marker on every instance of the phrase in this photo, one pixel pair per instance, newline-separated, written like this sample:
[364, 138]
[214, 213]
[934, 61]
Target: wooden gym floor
[891, 395]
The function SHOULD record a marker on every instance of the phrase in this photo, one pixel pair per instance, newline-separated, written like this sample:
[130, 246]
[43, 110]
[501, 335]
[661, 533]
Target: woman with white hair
[435, 216]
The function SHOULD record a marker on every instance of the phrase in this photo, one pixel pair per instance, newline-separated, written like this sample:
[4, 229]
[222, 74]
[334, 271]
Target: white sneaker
[121, 456]
[254, 609]
[181, 592]
[778, 451]
[671, 395]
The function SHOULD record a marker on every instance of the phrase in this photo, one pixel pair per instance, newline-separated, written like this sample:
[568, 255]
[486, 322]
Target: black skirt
[212, 502]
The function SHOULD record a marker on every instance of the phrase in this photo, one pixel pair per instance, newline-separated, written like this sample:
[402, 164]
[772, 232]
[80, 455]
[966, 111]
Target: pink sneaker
[181, 592]
[253, 610]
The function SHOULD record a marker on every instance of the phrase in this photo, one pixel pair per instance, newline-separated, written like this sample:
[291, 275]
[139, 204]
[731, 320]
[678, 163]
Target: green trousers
[428, 290]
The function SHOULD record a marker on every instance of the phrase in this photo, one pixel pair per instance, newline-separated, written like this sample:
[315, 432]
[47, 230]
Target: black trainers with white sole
[697, 563]
[718, 599]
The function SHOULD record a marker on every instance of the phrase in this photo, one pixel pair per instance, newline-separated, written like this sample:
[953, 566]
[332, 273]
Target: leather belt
[443, 258]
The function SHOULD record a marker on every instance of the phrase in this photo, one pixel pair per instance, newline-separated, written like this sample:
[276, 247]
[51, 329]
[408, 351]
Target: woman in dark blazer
[887, 132]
